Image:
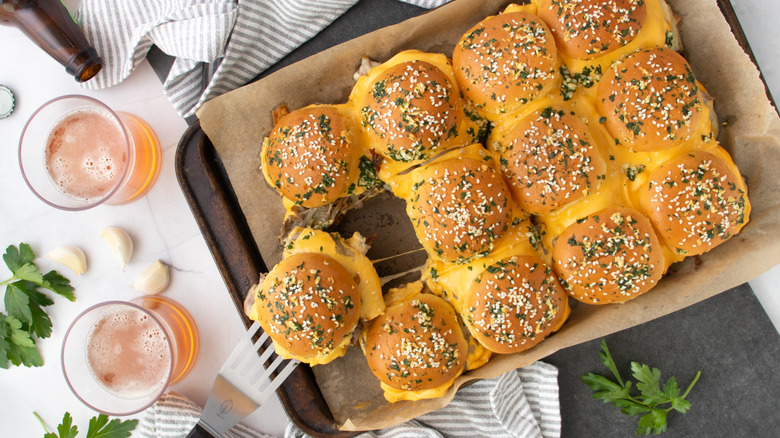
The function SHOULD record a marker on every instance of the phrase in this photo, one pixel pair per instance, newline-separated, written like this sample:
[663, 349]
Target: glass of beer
[119, 357]
[76, 153]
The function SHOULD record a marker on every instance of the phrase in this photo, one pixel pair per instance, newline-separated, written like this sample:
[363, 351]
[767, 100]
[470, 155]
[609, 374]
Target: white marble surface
[163, 228]
[161, 225]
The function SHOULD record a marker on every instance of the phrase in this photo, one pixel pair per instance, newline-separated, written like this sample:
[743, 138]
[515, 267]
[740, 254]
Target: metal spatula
[242, 385]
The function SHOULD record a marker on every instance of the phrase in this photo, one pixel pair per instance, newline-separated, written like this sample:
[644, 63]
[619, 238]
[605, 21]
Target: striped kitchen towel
[174, 416]
[521, 404]
[518, 404]
[219, 45]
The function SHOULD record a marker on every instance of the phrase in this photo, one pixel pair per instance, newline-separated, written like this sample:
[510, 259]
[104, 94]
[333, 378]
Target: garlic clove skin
[120, 244]
[153, 280]
[71, 256]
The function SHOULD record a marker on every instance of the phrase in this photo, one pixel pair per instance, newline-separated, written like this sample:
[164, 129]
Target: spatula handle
[199, 432]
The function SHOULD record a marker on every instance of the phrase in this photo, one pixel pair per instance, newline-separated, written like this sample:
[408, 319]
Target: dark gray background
[729, 337]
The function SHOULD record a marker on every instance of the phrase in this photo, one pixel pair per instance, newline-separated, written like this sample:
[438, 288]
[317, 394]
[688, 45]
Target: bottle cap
[6, 102]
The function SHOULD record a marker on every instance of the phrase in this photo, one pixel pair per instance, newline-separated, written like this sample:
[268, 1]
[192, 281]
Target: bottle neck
[84, 65]
[49, 24]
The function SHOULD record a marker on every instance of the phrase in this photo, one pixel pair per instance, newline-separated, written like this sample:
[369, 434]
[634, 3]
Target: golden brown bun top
[309, 304]
[514, 304]
[309, 157]
[459, 208]
[612, 255]
[549, 159]
[504, 62]
[585, 29]
[696, 201]
[650, 100]
[417, 344]
[410, 109]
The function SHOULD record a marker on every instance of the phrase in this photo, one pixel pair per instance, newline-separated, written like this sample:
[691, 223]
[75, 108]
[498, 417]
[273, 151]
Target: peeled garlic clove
[120, 244]
[70, 256]
[153, 280]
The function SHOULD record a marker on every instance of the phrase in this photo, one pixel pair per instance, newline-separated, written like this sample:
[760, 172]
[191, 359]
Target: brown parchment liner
[237, 122]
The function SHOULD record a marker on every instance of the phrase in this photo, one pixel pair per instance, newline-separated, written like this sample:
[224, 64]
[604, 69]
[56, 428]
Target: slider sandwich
[514, 304]
[459, 204]
[416, 348]
[506, 61]
[409, 109]
[650, 101]
[313, 160]
[310, 303]
[610, 256]
[586, 29]
[696, 201]
[549, 159]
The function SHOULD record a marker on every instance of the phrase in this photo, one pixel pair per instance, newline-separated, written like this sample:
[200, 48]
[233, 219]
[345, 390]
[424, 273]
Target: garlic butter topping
[610, 254]
[650, 100]
[460, 208]
[549, 159]
[514, 304]
[411, 109]
[586, 28]
[697, 201]
[505, 61]
[417, 344]
[308, 156]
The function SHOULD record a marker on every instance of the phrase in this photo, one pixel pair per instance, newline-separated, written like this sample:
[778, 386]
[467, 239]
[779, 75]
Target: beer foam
[129, 354]
[86, 154]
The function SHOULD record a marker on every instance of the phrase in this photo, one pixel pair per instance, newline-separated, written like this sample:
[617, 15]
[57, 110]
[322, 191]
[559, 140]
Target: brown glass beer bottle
[49, 24]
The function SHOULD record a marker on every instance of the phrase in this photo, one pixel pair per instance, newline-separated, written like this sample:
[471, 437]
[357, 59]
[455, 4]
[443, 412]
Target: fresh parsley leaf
[16, 257]
[649, 402]
[17, 303]
[20, 347]
[605, 389]
[29, 272]
[41, 323]
[606, 359]
[5, 345]
[66, 429]
[24, 304]
[59, 285]
[654, 421]
[649, 384]
[99, 427]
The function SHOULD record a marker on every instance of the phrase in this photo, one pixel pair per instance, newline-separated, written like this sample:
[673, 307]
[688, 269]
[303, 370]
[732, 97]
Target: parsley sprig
[26, 318]
[653, 403]
[99, 427]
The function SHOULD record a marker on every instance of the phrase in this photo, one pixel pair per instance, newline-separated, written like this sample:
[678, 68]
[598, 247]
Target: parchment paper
[237, 122]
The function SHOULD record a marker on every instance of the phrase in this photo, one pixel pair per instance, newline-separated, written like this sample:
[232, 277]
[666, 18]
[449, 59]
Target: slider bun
[309, 305]
[650, 100]
[586, 29]
[416, 345]
[410, 110]
[549, 159]
[695, 201]
[459, 207]
[514, 304]
[612, 255]
[504, 62]
[309, 156]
